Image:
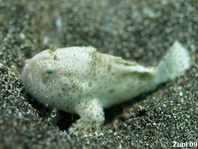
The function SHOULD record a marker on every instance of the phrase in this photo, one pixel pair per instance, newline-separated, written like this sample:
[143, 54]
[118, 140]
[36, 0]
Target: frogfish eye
[49, 72]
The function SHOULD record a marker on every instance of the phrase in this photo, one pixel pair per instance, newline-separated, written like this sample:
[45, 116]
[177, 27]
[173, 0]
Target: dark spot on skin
[55, 57]
[63, 89]
[96, 61]
[90, 84]
[140, 75]
[68, 74]
[144, 76]
[109, 68]
[44, 80]
[111, 91]
[76, 86]
[59, 95]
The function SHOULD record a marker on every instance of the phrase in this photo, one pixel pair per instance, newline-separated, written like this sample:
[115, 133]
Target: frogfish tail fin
[173, 64]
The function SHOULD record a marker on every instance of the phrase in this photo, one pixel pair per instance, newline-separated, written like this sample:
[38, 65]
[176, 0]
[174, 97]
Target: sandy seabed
[135, 30]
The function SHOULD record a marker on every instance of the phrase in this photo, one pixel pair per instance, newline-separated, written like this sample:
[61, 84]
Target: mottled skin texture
[83, 81]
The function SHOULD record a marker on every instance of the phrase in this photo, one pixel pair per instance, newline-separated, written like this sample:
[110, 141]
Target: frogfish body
[83, 81]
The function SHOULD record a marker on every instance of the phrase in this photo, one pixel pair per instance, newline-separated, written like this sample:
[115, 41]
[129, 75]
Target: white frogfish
[84, 81]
